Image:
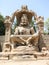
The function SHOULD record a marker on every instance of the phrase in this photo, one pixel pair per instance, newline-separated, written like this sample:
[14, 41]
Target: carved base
[23, 57]
[23, 53]
[25, 49]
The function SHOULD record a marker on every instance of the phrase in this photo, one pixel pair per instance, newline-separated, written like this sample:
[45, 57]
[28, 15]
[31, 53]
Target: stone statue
[25, 29]
[24, 34]
[25, 40]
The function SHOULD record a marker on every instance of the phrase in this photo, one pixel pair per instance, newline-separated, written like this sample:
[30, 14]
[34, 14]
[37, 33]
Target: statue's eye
[18, 32]
[22, 33]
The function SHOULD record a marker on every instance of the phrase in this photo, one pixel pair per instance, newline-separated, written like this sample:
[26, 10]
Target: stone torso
[23, 31]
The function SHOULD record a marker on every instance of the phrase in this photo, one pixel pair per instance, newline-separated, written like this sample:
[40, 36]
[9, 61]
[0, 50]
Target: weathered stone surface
[3, 58]
[19, 46]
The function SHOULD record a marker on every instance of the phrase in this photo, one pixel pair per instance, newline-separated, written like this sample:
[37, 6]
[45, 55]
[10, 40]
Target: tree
[33, 23]
[13, 26]
[46, 24]
[2, 26]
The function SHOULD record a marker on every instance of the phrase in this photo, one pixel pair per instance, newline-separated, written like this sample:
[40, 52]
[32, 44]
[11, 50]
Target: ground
[14, 62]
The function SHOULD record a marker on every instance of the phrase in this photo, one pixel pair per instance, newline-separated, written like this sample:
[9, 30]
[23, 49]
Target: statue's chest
[23, 30]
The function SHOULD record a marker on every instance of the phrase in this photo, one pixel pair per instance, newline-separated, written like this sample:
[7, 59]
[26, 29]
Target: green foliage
[45, 33]
[14, 26]
[32, 24]
[46, 23]
[1, 18]
[2, 26]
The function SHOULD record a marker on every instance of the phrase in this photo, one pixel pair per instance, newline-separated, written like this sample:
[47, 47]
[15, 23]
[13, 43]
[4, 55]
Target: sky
[41, 7]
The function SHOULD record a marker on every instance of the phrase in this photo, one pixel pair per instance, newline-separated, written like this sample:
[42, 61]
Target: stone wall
[2, 39]
[46, 40]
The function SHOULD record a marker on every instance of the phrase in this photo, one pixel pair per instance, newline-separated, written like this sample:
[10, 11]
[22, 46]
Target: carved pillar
[7, 31]
[7, 44]
[40, 23]
[41, 26]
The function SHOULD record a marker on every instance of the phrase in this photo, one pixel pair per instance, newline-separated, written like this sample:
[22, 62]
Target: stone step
[24, 58]
[43, 58]
[3, 58]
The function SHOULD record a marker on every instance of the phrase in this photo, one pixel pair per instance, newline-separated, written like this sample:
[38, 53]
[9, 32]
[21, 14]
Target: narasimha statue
[25, 40]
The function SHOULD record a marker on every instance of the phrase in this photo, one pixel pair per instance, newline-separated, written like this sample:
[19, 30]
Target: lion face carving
[39, 19]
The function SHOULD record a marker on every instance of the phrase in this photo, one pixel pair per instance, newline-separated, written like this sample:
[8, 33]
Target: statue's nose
[40, 19]
[23, 21]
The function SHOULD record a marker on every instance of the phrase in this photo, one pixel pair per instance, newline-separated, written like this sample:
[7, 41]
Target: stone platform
[23, 53]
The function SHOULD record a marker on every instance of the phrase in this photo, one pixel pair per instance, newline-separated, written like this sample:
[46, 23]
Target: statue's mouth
[24, 24]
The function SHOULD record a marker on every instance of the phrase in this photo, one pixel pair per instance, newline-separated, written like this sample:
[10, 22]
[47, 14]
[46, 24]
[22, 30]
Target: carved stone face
[39, 19]
[24, 20]
[24, 7]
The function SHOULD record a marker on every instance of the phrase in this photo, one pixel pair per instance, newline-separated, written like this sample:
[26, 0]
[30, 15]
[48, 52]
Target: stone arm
[18, 39]
[34, 38]
[32, 30]
[16, 31]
